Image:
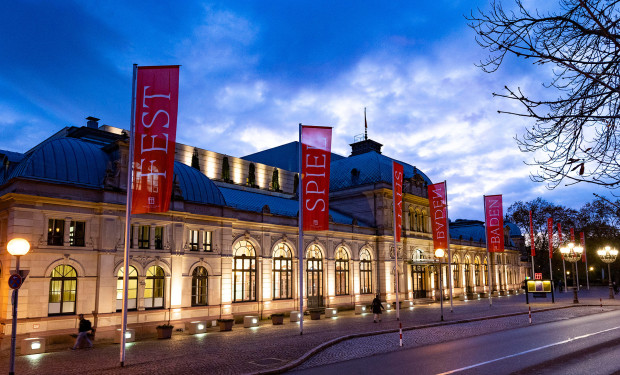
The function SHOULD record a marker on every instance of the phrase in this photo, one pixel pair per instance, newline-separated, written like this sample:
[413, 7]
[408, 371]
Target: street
[574, 346]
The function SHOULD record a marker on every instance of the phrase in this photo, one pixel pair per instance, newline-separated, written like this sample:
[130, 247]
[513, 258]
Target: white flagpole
[487, 244]
[564, 266]
[300, 246]
[128, 210]
[587, 273]
[395, 247]
[445, 186]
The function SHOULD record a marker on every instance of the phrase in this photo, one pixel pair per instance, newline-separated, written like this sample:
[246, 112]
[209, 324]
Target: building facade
[229, 244]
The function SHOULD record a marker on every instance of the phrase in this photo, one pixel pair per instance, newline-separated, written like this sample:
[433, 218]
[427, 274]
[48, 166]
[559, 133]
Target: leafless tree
[577, 132]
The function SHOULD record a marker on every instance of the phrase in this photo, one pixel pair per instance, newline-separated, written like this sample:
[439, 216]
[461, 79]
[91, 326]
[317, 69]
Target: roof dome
[367, 168]
[65, 160]
[196, 187]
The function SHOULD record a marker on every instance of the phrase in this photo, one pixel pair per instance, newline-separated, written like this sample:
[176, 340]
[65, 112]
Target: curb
[294, 363]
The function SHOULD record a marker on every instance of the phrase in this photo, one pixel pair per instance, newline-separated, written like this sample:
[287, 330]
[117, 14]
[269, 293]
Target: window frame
[200, 286]
[77, 237]
[282, 276]
[244, 256]
[55, 232]
[365, 272]
[155, 282]
[341, 268]
[132, 279]
[63, 279]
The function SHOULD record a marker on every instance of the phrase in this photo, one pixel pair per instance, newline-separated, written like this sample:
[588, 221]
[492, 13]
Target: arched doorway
[314, 275]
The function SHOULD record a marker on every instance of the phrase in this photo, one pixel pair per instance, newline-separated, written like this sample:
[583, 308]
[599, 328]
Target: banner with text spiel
[157, 94]
[316, 144]
[494, 223]
[397, 189]
[439, 220]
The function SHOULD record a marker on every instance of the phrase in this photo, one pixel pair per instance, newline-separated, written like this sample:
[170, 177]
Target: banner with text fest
[439, 220]
[397, 189]
[316, 145]
[494, 218]
[157, 94]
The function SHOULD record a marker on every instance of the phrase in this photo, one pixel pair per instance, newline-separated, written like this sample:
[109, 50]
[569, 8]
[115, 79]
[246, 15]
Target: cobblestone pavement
[255, 350]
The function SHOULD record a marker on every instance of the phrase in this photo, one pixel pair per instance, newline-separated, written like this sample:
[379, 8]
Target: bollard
[400, 331]
[530, 314]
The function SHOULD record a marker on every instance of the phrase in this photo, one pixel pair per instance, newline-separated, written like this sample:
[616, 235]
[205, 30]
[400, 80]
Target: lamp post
[572, 253]
[608, 255]
[16, 247]
[439, 254]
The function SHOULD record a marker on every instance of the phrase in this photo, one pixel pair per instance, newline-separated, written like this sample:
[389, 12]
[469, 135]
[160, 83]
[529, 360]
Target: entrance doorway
[314, 274]
[418, 277]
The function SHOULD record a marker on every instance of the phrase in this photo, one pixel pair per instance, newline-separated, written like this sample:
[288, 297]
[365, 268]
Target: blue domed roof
[371, 167]
[196, 187]
[514, 228]
[65, 160]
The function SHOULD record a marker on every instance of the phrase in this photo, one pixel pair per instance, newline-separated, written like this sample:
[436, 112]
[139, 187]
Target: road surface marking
[529, 351]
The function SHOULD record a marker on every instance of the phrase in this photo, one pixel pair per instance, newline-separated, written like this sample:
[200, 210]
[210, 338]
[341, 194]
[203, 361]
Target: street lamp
[572, 253]
[608, 255]
[439, 254]
[16, 247]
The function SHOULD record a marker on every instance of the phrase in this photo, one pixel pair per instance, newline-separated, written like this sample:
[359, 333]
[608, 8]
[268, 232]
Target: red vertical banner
[560, 233]
[493, 215]
[583, 245]
[438, 202]
[316, 145]
[532, 242]
[550, 236]
[157, 101]
[572, 234]
[397, 190]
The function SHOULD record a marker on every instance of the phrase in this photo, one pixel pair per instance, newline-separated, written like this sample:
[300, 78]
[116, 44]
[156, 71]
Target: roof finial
[365, 126]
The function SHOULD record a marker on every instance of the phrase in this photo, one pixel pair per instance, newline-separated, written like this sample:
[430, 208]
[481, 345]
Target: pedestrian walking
[83, 329]
[376, 308]
[615, 286]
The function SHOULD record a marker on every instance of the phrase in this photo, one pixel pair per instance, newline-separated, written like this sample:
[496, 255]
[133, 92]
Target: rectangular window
[144, 235]
[159, 238]
[55, 232]
[77, 233]
[208, 241]
[193, 240]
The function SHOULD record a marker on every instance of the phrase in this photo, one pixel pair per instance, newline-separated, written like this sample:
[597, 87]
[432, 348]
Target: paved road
[575, 346]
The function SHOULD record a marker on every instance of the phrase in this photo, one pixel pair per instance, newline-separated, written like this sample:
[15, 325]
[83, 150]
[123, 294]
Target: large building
[229, 244]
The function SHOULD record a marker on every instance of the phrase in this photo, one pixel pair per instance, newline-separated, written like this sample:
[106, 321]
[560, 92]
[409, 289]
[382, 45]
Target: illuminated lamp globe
[18, 247]
[439, 253]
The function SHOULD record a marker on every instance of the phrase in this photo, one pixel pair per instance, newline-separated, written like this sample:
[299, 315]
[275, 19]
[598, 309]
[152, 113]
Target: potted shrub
[164, 331]
[225, 324]
[277, 319]
[315, 314]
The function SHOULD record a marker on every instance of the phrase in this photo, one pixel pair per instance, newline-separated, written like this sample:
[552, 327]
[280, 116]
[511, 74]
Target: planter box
[196, 327]
[164, 332]
[250, 321]
[331, 312]
[315, 315]
[33, 345]
[277, 320]
[361, 309]
[294, 316]
[226, 325]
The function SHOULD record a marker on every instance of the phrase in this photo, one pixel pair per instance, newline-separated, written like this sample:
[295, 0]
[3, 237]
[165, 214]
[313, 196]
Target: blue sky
[251, 71]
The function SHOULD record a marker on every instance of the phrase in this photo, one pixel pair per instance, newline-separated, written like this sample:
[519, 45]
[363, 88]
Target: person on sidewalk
[376, 308]
[615, 286]
[83, 329]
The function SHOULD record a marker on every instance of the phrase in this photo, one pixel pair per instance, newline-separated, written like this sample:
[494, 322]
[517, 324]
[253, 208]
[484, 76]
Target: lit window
[193, 240]
[282, 272]
[199, 286]
[314, 275]
[244, 272]
[77, 233]
[132, 289]
[154, 288]
[55, 232]
[144, 235]
[159, 238]
[63, 290]
[208, 241]
[342, 271]
[365, 272]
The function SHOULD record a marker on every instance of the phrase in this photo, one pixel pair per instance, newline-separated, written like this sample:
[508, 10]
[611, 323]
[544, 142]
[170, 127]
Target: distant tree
[275, 180]
[195, 160]
[225, 169]
[577, 132]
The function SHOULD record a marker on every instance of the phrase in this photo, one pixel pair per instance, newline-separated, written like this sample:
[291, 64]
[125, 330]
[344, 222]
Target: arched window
[477, 271]
[200, 286]
[63, 290]
[467, 270]
[342, 271]
[244, 272]
[422, 222]
[485, 273]
[314, 276]
[365, 272]
[455, 272]
[282, 272]
[417, 256]
[132, 289]
[416, 220]
[154, 288]
[411, 220]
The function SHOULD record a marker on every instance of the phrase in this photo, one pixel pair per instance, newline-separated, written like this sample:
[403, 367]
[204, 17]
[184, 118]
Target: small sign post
[15, 281]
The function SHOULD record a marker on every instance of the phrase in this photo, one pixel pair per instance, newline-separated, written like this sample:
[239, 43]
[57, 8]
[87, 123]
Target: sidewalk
[266, 348]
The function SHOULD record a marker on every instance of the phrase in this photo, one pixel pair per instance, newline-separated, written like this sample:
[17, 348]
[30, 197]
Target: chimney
[92, 122]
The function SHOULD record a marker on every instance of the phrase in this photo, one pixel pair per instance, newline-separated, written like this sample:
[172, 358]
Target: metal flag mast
[128, 211]
[300, 250]
[395, 244]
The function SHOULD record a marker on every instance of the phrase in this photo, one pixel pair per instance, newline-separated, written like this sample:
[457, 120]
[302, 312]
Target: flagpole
[128, 211]
[487, 244]
[300, 246]
[445, 186]
[564, 266]
[395, 247]
[587, 273]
